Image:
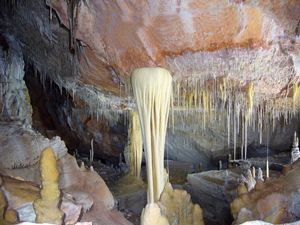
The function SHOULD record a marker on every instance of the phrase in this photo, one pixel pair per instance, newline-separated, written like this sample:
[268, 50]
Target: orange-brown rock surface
[128, 34]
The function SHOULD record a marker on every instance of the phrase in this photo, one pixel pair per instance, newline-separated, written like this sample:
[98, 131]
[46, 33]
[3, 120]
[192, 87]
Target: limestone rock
[84, 223]
[275, 203]
[71, 211]
[80, 198]
[213, 191]
[21, 147]
[14, 101]
[29, 223]
[174, 29]
[19, 193]
[84, 180]
[259, 222]
[26, 213]
[88, 189]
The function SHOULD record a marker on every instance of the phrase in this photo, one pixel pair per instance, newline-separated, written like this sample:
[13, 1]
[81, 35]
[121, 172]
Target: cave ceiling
[243, 41]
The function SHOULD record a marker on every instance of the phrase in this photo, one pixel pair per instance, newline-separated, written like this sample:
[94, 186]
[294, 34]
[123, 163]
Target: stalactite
[260, 124]
[208, 101]
[295, 95]
[72, 14]
[250, 93]
[234, 134]
[246, 136]
[50, 9]
[92, 151]
[242, 136]
[228, 123]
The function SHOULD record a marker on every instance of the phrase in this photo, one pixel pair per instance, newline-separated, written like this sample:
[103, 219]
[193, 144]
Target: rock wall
[56, 112]
[14, 101]
[190, 142]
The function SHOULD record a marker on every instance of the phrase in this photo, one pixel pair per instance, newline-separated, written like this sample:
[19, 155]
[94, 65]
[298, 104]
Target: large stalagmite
[152, 88]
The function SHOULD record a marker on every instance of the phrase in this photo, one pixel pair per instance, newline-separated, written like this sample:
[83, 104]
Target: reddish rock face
[130, 34]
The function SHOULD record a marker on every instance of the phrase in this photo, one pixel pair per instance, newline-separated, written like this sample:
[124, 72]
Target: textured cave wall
[130, 34]
[52, 72]
[45, 44]
[14, 101]
[41, 41]
[190, 143]
[56, 112]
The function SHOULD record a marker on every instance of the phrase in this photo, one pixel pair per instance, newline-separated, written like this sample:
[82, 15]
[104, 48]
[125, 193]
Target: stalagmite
[152, 90]
[260, 175]
[253, 172]
[250, 181]
[250, 93]
[151, 215]
[267, 169]
[295, 153]
[46, 207]
[135, 146]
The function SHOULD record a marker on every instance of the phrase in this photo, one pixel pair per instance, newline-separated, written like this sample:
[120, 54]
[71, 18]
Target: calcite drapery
[152, 89]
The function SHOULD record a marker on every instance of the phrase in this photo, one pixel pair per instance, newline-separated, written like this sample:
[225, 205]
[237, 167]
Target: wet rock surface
[213, 191]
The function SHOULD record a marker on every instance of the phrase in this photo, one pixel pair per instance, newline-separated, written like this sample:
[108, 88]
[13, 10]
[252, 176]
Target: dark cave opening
[52, 110]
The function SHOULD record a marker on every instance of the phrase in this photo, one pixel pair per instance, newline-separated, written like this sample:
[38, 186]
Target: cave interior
[149, 112]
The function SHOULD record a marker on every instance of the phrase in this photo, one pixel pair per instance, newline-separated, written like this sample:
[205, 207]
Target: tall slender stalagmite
[135, 145]
[152, 89]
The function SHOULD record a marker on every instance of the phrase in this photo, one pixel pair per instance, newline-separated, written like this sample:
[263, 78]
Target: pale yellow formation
[135, 146]
[242, 189]
[250, 93]
[152, 88]
[223, 89]
[295, 94]
[177, 206]
[46, 208]
[11, 216]
[151, 215]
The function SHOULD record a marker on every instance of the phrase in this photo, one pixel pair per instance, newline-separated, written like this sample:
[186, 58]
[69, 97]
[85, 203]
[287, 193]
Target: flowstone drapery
[152, 88]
